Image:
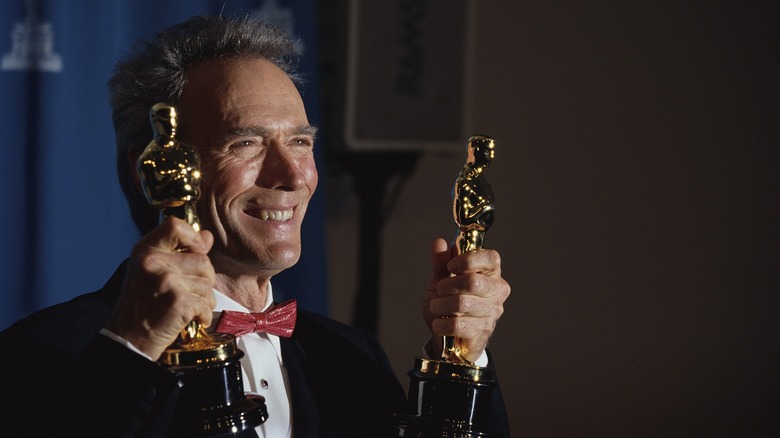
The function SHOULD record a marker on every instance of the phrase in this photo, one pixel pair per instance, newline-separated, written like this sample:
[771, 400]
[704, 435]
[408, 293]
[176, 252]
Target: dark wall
[635, 178]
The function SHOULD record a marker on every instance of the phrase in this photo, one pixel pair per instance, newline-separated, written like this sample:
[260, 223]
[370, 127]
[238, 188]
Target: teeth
[275, 215]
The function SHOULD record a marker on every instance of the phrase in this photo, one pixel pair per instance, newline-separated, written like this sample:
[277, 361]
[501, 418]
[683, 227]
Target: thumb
[208, 240]
[440, 256]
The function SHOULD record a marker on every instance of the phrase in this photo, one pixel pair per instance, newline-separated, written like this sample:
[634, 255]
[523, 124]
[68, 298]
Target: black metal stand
[212, 402]
[447, 400]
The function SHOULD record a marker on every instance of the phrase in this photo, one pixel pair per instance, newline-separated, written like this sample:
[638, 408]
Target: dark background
[636, 187]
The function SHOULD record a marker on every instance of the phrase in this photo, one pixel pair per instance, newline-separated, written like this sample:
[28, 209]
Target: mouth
[271, 215]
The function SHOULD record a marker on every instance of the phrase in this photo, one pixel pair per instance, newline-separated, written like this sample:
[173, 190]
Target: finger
[473, 333]
[468, 284]
[175, 234]
[483, 261]
[181, 296]
[153, 262]
[205, 309]
[471, 305]
[470, 294]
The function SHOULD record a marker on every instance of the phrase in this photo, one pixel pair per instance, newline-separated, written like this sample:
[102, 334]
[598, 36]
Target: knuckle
[494, 257]
[471, 282]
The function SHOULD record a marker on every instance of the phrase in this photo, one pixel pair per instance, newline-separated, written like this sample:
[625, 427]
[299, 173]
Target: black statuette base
[212, 403]
[447, 400]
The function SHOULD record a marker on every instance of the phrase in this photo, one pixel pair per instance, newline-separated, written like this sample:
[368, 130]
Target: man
[89, 367]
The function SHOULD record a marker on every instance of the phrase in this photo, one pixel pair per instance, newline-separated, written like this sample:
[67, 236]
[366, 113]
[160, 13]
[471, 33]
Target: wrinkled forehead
[228, 94]
[236, 78]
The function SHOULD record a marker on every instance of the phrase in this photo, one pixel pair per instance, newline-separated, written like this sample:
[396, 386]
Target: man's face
[247, 121]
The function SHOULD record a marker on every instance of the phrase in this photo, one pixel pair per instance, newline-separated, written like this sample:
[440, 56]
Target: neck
[250, 292]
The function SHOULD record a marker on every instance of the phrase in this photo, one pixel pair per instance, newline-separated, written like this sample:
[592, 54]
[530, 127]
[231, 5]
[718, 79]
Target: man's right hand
[168, 283]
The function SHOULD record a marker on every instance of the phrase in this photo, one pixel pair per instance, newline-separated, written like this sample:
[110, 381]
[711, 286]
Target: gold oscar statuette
[450, 396]
[212, 401]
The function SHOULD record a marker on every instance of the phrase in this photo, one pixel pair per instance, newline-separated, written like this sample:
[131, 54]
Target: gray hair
[155, 72]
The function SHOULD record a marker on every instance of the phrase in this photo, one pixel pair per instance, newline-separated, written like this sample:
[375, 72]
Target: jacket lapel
[304, 410]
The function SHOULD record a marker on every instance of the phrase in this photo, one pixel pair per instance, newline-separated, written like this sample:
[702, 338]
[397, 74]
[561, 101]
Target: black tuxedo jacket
[60, 377]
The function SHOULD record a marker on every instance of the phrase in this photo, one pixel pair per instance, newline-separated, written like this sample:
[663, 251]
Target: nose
[281, 169]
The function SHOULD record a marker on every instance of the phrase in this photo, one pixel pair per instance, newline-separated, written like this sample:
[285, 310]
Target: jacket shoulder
[70, 325]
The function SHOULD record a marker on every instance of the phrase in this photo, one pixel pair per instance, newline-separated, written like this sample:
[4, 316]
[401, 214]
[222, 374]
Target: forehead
[241, 90]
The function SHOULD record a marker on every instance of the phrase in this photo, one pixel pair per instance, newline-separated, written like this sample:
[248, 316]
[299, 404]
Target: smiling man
[93, 361]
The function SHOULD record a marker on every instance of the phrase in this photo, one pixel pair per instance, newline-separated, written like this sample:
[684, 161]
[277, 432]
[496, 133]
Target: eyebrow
[261, 131]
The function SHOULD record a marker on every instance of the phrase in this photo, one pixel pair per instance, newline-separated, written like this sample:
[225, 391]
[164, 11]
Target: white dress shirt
[263, 371]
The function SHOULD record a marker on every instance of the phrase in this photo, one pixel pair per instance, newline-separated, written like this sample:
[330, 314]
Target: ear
[132, 164]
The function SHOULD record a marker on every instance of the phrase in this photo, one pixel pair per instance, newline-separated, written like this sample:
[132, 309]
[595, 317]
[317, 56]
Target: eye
[302, 142]
[245, 147]
[244, 143]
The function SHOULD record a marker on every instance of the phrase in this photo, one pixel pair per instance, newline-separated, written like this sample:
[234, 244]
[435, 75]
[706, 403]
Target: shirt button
[264, 383]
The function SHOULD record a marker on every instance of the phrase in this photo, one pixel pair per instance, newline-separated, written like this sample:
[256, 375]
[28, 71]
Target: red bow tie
[279, 321]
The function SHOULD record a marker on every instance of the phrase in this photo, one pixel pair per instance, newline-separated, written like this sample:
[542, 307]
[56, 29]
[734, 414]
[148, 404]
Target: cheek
[230, 176]
[220, 184]
[240, 180]
[313, 179]
[309, 170]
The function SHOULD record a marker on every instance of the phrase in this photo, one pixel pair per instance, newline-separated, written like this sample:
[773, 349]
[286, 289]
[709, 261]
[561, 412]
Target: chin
[282, 256]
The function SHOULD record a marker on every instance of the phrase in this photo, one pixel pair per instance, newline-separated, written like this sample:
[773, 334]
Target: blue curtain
[64, 222]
